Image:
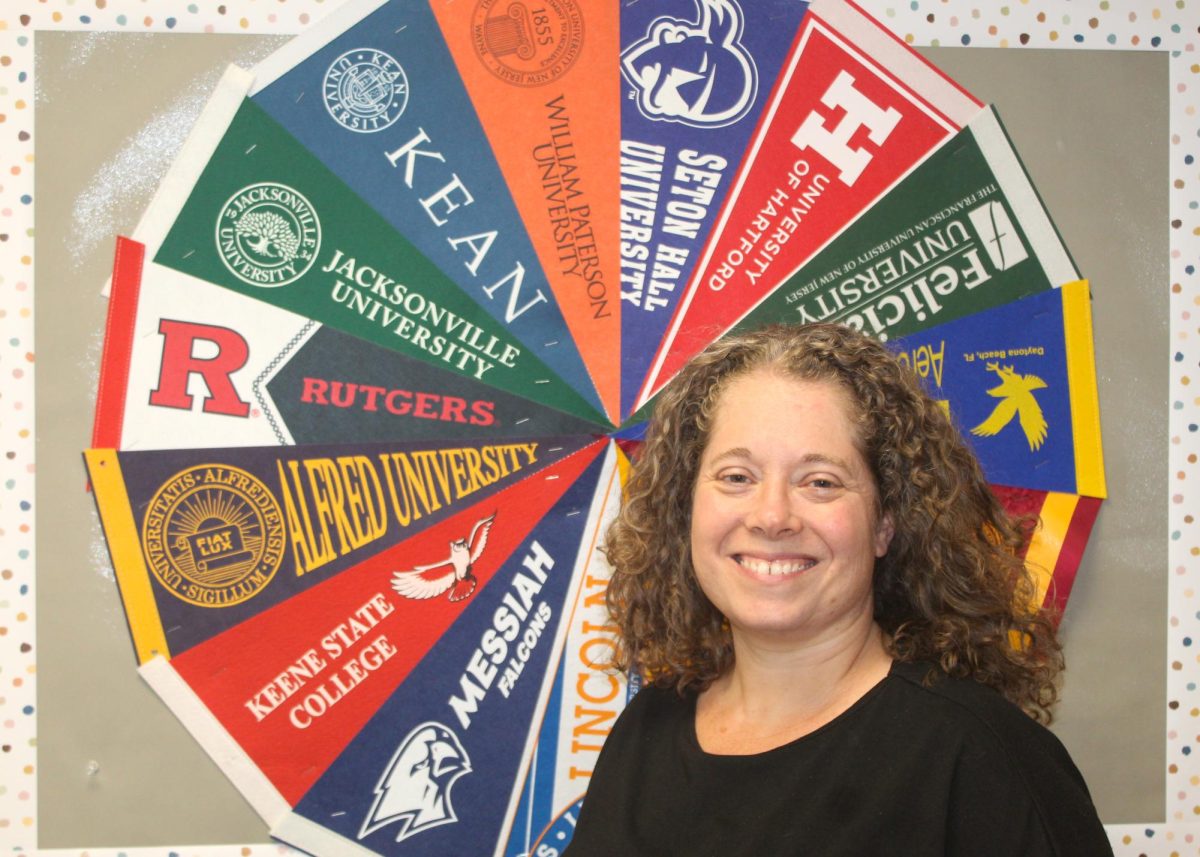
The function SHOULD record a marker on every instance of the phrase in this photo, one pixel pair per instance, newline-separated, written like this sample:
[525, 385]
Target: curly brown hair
[952, 589]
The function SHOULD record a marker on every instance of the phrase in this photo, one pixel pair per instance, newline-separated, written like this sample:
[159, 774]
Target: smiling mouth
[774, 567]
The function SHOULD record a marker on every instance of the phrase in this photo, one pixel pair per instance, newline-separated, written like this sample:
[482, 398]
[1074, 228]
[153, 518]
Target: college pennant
[280, 693]
[584, 701]
[964, 231]
[340, 264]
[1055, 550]
[1019, 380]
[204, 539]
[695, 75]
[438, 768]
[189, 364]
[854, 109]
[375, 95]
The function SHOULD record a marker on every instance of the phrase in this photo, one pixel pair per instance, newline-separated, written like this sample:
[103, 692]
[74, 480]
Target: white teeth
[779, 566]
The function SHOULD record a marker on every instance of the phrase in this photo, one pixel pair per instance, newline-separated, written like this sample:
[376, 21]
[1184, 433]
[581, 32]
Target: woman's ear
[884, 531]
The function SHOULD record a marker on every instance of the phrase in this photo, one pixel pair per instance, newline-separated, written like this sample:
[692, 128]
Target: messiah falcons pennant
[439, 767]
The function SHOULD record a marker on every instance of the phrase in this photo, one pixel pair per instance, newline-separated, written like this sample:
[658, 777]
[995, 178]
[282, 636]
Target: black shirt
[954, 769]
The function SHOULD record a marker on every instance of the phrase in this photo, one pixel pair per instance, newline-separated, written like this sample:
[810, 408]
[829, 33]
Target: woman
[834, 626]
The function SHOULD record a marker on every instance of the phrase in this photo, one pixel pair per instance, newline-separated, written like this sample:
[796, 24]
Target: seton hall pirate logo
[213, 535]
[694, 72]
[1016, 400]
[415, 787]
[458, 581]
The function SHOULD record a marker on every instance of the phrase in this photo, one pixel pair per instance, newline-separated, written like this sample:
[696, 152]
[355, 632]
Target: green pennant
[268, 220]
[965, 231]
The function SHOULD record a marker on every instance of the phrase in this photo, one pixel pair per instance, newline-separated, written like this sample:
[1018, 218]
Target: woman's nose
[772, 511]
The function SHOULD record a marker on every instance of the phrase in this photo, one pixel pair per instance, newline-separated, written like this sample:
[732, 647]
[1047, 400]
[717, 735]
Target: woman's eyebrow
[735, 452]
[738, 452]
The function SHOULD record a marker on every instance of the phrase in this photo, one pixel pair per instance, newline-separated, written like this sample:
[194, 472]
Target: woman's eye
[734, 478]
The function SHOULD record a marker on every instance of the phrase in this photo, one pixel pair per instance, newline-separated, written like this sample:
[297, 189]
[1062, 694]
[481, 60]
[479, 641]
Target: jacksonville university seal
[365, 90]
[527, 44]
[268, 235]
[213, 535]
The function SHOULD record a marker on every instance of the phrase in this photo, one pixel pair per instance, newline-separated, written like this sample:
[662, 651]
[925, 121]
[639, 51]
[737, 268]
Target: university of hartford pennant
[963, 232]
[853, 110]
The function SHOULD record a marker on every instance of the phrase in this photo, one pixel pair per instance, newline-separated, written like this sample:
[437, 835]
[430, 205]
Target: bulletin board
[1101, 105]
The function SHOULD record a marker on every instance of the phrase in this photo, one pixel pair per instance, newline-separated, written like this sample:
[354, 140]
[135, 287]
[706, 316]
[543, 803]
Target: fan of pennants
[380, 344]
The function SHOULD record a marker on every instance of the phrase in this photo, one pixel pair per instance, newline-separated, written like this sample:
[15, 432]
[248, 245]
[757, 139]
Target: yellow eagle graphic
[1016, 398]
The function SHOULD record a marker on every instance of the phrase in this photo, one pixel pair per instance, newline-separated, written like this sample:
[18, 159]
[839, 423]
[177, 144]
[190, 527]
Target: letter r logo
[179, 363]
[834, 145]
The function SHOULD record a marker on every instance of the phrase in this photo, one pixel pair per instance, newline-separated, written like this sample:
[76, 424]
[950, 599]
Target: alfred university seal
[213, 535]
[268, 235]
[365, 90]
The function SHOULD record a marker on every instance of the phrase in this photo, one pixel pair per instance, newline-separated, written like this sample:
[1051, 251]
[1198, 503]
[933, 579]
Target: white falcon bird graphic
[415, 788]
[458, 581]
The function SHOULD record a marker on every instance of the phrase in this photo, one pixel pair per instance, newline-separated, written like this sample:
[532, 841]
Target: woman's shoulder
[1003, 760]
[976, 709]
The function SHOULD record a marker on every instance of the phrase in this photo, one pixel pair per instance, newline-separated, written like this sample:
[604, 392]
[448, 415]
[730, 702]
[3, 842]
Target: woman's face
[784, 530]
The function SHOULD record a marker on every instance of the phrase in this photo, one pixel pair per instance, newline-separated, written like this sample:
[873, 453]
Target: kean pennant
[342, 264]
[854, 110]
[376, 97]
[375, 94]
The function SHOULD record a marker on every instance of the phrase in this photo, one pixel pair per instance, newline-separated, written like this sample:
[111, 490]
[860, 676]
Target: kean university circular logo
[268, 235]
[214, 535]
[365, 90]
